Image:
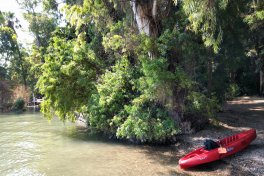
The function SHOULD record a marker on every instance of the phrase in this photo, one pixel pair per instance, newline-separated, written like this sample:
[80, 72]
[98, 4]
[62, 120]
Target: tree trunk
[209, 70]
[145, 13]
[261, 86]
[146, 17]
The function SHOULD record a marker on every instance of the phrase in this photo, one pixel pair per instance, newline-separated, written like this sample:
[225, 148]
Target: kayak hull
[232, 144]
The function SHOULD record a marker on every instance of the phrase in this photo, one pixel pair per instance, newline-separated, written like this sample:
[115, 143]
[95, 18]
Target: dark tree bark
[261, 84]
[210, 73]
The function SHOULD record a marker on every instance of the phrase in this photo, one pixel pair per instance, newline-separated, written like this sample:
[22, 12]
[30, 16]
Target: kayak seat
[210, 144]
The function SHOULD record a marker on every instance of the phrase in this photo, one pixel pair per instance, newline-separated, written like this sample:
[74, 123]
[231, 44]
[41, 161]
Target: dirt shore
[240, 114]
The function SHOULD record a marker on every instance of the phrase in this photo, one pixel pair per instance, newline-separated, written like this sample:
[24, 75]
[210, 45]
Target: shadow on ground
[238, 115]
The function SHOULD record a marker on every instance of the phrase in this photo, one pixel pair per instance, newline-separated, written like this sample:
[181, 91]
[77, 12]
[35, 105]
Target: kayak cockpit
[195, 153]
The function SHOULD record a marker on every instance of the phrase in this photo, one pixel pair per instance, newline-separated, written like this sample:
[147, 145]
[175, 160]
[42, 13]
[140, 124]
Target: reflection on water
[30, 145]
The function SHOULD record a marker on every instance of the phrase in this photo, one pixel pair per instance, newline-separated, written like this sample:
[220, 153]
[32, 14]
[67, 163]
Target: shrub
[126, 109]
[198, 103]
[19, 105]
[232, 92]
[149, 122]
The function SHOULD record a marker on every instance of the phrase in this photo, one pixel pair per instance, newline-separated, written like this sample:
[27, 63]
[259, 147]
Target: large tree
[10, 49]
[255, 19]
[143, 69]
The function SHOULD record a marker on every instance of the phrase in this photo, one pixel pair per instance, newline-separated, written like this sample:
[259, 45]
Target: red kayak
[229, 146]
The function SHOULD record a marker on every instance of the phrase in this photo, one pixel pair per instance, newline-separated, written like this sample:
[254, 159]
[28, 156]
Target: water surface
[31, 145]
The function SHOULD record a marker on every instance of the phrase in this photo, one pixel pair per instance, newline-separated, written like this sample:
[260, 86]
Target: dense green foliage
[142, 70]
[19, 105]
[12, 55]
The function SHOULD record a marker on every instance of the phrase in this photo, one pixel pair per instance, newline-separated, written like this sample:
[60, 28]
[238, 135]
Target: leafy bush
[68, 78]
[114, 91]
[198, 103]
[124, 107]
[232, 92]
[19, 105]
[147, 122]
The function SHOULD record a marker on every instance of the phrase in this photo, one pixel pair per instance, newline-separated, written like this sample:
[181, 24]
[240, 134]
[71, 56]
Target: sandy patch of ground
[240, 114]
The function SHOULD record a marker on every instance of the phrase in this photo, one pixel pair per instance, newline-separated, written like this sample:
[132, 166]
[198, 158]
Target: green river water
[31, 145]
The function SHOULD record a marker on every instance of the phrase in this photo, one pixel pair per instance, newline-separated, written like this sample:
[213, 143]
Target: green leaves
[198, 103]
[67, 80]
[134, 86]
[204, 18]
[147, 122]
[114, 91]
[125, 108]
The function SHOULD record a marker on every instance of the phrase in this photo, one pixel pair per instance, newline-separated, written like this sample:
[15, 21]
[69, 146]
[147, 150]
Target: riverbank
[238, 115]
[31, 145]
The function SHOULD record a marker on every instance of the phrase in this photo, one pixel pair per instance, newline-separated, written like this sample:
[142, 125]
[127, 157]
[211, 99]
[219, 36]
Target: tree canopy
[142, 70]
